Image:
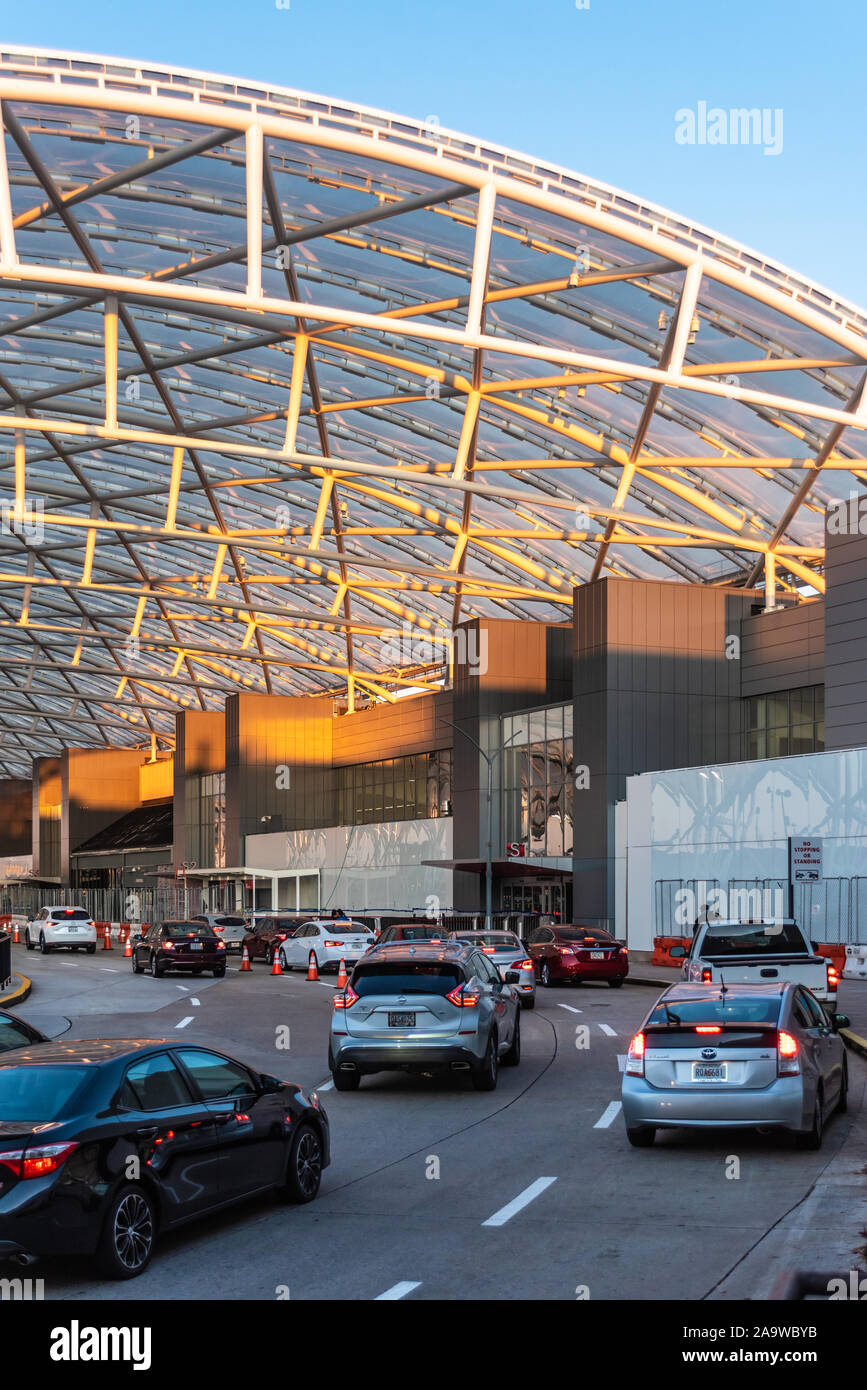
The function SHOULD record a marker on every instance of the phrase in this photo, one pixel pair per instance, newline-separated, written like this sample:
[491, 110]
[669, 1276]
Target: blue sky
[596, 89]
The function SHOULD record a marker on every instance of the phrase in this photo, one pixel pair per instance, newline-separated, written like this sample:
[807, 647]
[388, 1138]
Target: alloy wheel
[308, 1162]
[133, 1231]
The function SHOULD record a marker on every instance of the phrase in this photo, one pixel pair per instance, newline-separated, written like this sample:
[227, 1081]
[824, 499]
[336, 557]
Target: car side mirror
[677, 951]
[512, 977]
[270, 1084]
[525, 946]
[841, 1021]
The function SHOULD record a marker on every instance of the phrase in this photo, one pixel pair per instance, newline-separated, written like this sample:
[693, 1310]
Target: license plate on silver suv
[704, 1071]
[401, 1020]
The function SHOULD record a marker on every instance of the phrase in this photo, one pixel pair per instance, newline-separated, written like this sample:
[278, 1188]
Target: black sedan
[193, 946]
[267, 932]
[104, 1144]
[14, 1032]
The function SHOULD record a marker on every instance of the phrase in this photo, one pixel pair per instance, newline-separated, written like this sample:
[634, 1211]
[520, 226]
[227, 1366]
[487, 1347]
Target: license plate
[196, 946]
[73, 928]
[401, 1020]
[597, 955]
[702, 1072]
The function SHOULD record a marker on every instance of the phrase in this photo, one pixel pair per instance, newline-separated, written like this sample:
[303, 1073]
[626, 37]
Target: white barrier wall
[363, 866]
[732, 822]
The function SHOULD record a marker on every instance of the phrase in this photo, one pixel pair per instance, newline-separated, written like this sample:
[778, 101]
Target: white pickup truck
[751, 953]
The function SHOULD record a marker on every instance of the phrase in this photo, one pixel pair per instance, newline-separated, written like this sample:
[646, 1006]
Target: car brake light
[522, 965]
[36, 1163]
[788, 1059]
[565, 950]
[833, 975]
[708, 1028]
[462, 998]
[335, 943]
[221, 945]
[346, 999]
[488, 950]
[706, 976]
[168, 945]
[635, 1056]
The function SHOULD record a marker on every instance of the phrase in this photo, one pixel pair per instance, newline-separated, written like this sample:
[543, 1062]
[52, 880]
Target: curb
[21, 993]
[648, 980]
[853, 1040]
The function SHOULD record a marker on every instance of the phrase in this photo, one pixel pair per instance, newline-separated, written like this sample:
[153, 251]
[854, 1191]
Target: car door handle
[147, 1132]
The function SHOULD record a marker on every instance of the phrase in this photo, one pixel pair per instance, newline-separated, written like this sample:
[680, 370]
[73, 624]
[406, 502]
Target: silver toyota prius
[739, 1056]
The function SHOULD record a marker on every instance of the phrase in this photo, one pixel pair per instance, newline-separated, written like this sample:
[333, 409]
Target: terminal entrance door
[549, 897]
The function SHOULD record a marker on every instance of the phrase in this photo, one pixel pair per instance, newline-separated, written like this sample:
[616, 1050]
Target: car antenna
[723, 991]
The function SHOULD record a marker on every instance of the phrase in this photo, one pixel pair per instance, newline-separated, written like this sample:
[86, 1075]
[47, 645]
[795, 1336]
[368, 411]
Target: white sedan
[71, 927]
[330, 940]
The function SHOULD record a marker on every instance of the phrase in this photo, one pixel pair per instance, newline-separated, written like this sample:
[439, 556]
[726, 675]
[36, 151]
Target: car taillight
[833, 975]
[522, 965]
[707, 1028]
[168, 945]
[624, 950]
[488, 950]
[346, 999]
[635, 1056]
[788, 1058]
[36, 1163]
[335, 943]
[221, 945]
[706, 976]
[565, 950]
[462, 998]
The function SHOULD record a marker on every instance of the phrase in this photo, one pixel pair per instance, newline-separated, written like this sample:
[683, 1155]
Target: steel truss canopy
[281, 378]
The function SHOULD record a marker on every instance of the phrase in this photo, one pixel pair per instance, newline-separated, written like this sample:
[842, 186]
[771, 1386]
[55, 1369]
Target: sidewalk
[17, 991]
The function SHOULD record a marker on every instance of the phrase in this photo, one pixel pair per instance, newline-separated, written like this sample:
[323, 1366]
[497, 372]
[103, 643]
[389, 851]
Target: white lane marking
[569, 1007]
[608, 1116]
[326, 1086]
[621, 1061]
[397, 1291]
[608, 1031]
[195, 1002]
[523, 1199]
[183, 987]
[184, 1021]
[109, 969]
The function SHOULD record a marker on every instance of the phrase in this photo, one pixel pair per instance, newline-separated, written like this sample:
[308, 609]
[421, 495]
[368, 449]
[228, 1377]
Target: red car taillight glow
[833, 976]
[335, 943]
[346, 999]
[708, 1028]
[221, 945]
[462, 998]
[565, 950]
[706, 976]
[168, 945]
[522, 965]
[36, 1163]
[635, 1056]
[788, 1055]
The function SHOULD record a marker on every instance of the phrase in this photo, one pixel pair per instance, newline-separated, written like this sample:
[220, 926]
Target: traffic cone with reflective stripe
[276, 967]
[341, 974]
[128, 948]
[106, 938]
[16, 936]
[245, 959]
[312, 972]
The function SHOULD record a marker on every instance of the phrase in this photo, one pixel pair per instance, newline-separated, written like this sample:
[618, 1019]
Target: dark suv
[190, 946]
[266, 933]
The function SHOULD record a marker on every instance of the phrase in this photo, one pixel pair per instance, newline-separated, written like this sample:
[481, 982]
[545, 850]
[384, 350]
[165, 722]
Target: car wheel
[512, 1057]
[346, 1080]
[43, 944]
[284, 964]
[641, 1136]
[485, 1075]
[127, 1240]
[529, 1002]
[219, 972]
[812, 1138]
[31, 945]
[545, 975]
[614, 984]
[304, 1170]
[843, 1100]
[269, 955]
[136, 968]
[156, 968]
[91, 950]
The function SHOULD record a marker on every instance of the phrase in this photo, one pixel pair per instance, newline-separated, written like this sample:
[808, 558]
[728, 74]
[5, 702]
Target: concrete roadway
[626, 1223]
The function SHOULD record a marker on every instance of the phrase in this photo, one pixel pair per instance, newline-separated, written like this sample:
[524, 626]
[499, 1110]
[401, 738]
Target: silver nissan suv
[422, 1007]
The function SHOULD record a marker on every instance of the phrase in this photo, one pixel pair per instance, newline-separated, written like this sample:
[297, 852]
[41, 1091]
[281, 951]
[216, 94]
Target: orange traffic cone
[106, 939]
[128, 948]
[276, 967]
[245, 959]
[341, 974]
[16, 936]
[312, 972]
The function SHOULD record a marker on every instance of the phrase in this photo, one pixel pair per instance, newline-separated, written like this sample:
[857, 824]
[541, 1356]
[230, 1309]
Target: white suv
[61, 926]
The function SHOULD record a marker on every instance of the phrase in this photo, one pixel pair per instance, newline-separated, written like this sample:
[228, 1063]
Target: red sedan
[575, 954]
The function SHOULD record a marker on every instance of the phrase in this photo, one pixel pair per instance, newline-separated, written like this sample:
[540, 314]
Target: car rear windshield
[70, 914]
[406, 977]
[414, 933]
[38, 1094]
[593, 934]
[176, 931]
[499, 942]
[764, 1009]
[13, 1034]
[753, 939]
[229, 921]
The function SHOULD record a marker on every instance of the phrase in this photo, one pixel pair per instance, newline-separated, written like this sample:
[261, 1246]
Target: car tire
[486, 1072]
[31, 945]
[843, 1100]
[136, 968]
[156, 968]
[545, 975]
[641, 1136]
[528, 1003]
[91, 950]
[812, 1138]
[346, 1080]
[304, 1168]
[512, 1057]
[219, 972]
[614, 984]
[43, 944]
[284, 964]
[269, 955]
[128, 1235]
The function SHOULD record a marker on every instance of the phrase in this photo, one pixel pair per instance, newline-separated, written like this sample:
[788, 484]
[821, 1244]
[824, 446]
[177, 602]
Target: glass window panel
[778, 709]
[802, 705]
[757, 745]
[757, 712]
[802, 740]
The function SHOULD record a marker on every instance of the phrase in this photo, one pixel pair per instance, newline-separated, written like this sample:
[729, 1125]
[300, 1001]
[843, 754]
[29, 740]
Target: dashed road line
[570, 1007]
[184, 1021]
[609, 1032]
[195, 1002]
[608, 1116]
[621, 1061]
[397, 1291]
[518, 1203]
[326, 1086]
[183, 987]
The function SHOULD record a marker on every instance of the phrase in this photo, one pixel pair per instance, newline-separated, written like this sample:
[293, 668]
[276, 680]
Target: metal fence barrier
[833, 910]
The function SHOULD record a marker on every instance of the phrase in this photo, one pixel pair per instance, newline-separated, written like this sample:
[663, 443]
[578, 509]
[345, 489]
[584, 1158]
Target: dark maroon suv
[192, 946]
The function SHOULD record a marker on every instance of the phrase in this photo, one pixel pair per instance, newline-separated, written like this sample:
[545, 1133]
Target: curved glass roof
[282, 377]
